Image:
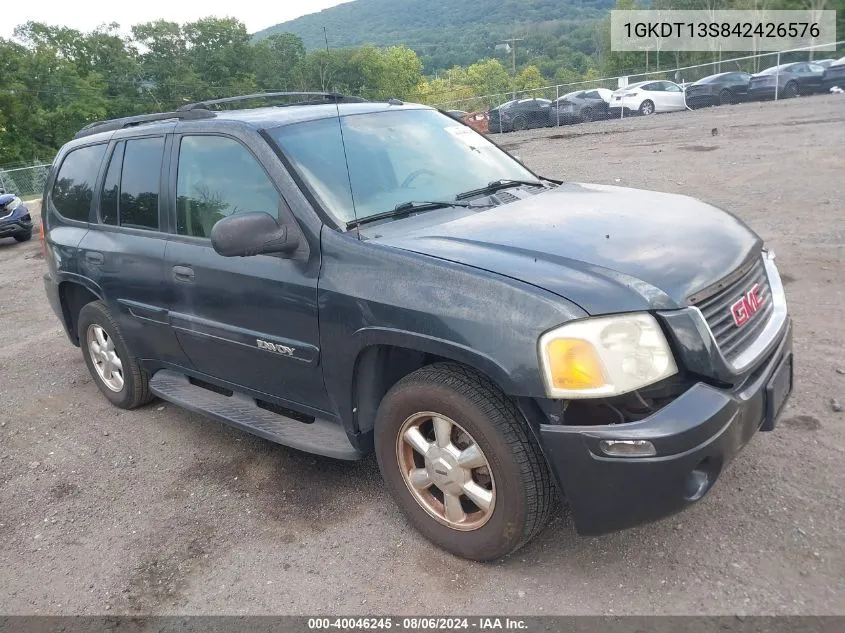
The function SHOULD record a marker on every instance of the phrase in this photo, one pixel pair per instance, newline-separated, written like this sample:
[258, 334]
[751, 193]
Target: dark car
[834, 75]
[349, 278]
[720, 89]
[15, 220]
[457, 114]
[520, 114]
[791, 80]
[580, 107]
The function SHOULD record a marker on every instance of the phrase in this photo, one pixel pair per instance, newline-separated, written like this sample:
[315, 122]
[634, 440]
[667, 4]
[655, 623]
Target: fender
[368, 336]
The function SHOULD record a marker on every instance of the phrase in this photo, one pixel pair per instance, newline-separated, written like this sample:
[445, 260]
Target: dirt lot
[159, 510]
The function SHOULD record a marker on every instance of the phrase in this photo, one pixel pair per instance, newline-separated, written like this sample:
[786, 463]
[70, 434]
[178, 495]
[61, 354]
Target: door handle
[185, 274]
[94, 258]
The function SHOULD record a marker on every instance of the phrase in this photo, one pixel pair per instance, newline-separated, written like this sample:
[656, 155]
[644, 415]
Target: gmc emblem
[747, 306]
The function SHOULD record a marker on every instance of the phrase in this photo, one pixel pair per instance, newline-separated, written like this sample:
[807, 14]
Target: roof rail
[130, 121]
[334, 97]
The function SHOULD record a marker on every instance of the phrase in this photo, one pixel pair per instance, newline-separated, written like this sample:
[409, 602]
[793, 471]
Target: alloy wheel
[106, 362]
[446, 471]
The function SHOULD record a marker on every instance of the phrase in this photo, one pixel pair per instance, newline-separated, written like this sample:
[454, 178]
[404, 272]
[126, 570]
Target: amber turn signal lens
[574, 364]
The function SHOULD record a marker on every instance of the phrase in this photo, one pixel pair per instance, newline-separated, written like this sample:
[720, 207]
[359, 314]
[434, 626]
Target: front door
[249, 321]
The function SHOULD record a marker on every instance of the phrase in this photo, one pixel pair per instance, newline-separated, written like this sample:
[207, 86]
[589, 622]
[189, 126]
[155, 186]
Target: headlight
[605, 356]
[13, 204]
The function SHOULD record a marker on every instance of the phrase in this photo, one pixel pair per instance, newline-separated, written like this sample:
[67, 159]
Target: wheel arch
[73, 296]
[386, 356]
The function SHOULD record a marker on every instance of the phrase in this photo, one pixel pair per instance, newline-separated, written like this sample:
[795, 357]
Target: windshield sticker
[468, 136]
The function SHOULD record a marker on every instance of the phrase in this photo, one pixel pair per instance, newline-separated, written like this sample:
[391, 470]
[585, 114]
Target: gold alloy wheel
[446, 471]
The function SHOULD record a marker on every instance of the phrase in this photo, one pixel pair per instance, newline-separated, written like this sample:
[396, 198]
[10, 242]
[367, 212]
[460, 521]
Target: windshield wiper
[404, 209]
[496, 185]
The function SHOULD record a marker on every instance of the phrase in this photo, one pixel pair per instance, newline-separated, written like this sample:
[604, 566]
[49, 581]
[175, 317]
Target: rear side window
[74, 188]
[139, 183]
[219, 177]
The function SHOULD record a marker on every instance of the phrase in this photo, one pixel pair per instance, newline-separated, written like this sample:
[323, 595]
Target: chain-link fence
[25, 182]
[591, 100]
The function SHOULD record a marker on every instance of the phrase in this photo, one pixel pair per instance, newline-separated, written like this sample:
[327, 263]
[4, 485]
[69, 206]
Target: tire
[135, 389]
[647, 107]
[514, 475]
[23, 237]
[587, 115]
[790, 90]
[726, 97]
[520, 123]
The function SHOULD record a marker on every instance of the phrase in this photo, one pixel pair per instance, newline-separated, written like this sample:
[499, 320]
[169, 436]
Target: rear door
[248, 321]
[673, 97]
[123, 253]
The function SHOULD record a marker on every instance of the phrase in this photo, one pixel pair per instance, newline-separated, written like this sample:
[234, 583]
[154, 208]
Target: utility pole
[512, 44]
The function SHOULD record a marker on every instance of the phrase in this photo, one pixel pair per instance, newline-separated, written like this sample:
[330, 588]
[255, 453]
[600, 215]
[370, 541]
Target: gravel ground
[161, 511]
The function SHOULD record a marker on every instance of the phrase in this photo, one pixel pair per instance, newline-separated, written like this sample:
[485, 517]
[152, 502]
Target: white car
[648, 97]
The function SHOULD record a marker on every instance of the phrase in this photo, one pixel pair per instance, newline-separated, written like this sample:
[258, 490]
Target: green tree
[275, 61]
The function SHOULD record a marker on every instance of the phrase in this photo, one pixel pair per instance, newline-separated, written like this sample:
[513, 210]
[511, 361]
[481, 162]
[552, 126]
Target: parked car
[348, 278]
[15, 220]
[648, 97]
[520, 114]
[457, 114]
[790, 80]
[834, 75]
[719, 89]
[580, 106]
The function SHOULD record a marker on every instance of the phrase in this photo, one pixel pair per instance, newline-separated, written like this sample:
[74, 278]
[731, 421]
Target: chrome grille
[716, 308]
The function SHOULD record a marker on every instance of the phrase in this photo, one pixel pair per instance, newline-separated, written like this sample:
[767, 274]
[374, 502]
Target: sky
[88, 14]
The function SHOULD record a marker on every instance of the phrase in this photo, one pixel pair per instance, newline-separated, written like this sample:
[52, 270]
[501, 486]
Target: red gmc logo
[747, 306]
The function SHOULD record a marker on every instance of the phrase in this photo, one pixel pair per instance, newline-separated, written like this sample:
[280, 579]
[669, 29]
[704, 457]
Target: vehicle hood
[607, 249]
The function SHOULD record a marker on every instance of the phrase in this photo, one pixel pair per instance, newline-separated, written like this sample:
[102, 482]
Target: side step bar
[241, 411]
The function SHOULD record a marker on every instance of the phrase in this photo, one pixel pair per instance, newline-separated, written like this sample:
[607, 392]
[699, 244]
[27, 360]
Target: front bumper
[16, 225]
[695, 436]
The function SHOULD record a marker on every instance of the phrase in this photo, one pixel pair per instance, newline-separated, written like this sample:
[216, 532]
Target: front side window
[139, 183]
[219, 177]
[394, 156]
[74, 188]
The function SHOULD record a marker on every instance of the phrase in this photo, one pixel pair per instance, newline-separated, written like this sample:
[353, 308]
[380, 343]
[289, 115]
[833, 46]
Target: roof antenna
[342, 141]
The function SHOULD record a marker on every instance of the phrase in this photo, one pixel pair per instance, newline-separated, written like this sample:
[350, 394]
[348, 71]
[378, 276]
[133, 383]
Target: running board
[241, 411]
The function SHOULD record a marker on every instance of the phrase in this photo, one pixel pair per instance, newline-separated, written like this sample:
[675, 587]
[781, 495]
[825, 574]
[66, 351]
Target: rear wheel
[726, 97]
[647, 107]
[791, 90]
[587, 115]
[116, 372]
[461, 463]
[520, 123]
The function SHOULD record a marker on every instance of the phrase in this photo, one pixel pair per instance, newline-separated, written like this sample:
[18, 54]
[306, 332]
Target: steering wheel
[414, 175]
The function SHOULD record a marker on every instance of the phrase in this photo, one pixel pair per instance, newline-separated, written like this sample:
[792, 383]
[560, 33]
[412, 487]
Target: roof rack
[333, 97]
[131, 121]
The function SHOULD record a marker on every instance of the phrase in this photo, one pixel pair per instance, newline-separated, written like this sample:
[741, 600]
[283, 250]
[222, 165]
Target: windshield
[394, 157]
[776, 69]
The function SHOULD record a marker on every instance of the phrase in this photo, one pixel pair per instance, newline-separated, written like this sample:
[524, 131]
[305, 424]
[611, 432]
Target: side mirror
[254, 233]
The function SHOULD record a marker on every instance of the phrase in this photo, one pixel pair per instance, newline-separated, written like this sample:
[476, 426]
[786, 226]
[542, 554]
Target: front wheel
[647, 107]
[587, 115]
[23, 237]
[726, 97]
[461, 463]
